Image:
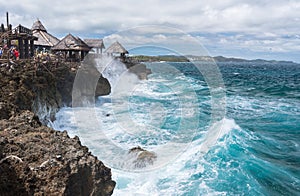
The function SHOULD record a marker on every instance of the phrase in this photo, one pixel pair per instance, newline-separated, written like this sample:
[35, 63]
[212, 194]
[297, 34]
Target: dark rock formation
[143, 157]
[86, 85]
[36, 160]
[138, 68]
[42, 89]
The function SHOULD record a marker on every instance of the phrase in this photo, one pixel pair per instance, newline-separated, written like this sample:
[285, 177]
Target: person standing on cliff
[16, 54]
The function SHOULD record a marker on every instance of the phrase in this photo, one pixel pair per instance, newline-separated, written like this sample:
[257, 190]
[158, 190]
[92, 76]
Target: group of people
[12, 51]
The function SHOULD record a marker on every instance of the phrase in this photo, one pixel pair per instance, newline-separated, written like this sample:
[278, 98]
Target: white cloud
[207, 16]
[257, 25]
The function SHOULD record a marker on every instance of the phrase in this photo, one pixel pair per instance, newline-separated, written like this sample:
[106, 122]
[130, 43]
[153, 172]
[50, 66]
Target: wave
[253, 150]
[175, 178]
[169, 170]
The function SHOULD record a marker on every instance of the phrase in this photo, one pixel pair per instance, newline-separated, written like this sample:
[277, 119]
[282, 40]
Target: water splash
[171, 180]
[44, 111]
[116, 72]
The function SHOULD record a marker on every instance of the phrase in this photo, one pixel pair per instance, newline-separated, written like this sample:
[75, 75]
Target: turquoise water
[264, 100]
[252, 150]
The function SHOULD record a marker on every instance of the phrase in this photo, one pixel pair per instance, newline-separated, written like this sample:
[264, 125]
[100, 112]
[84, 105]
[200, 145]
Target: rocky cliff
[41, 88]
[34, 159]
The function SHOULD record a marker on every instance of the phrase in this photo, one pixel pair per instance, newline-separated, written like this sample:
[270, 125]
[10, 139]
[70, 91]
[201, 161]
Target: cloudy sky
[266, 29]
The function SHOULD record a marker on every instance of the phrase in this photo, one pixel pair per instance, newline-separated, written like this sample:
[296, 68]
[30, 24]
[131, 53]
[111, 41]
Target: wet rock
[143, 157]
[88, 84]
[138, 69]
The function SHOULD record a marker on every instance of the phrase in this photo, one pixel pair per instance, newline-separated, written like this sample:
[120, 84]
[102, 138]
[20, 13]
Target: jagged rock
[6, 110]
[139, 69]
[45, 88]
[36, 160]
[143, 157]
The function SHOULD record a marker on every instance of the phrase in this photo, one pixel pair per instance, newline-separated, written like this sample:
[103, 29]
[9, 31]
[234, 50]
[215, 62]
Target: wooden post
[21, 48]
[2, 28]
[31, 48]
[26, 52]
[82, 55]
[8, 42]
[7, 20]
[70, 55]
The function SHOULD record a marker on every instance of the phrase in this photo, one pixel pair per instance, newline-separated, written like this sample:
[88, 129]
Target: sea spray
[44, 111]
[160, 114]
[119, 77]
[175, 177]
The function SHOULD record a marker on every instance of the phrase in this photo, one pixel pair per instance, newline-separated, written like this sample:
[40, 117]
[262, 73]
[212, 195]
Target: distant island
[188, 58]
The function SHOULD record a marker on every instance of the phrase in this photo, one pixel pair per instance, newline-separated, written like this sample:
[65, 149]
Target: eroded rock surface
[36, 160]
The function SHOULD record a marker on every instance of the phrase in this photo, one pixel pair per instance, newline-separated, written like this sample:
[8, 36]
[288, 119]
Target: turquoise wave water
[263, 157]
[256, 153]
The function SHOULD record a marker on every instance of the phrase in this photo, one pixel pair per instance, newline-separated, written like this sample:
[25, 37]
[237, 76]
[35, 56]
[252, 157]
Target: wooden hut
[95, 44]
[116, 49]
[45, 40]
[73, 48]
[20, 36]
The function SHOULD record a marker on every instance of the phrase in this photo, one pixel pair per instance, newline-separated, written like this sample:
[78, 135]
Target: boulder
[142, 157]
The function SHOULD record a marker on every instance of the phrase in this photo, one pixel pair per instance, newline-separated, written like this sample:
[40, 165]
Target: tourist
[16, 54]
[1, 52]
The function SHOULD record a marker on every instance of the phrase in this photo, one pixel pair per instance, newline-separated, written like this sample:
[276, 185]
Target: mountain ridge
[189, 58]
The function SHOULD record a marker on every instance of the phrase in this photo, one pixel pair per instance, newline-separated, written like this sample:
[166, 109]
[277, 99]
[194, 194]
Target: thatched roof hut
[96, 44]
[38, 26]
[73, 46]
[72, 43]
[45, 39]
[116, 48]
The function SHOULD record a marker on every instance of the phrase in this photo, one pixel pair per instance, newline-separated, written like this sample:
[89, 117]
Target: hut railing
[22, 30]
[19, 30]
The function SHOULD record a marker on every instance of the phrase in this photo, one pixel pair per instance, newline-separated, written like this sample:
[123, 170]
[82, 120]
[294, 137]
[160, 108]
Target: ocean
[231, 130]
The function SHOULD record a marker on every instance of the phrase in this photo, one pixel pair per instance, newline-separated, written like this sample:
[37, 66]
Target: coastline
[193, 58]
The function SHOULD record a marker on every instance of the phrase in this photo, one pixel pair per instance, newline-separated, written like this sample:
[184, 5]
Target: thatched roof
[116, 47]
[94, 43]
[71, 43]
[44, 38]
[37, 25]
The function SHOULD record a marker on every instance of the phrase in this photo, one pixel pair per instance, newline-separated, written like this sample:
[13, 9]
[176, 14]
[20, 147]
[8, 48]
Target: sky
[250, 29]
